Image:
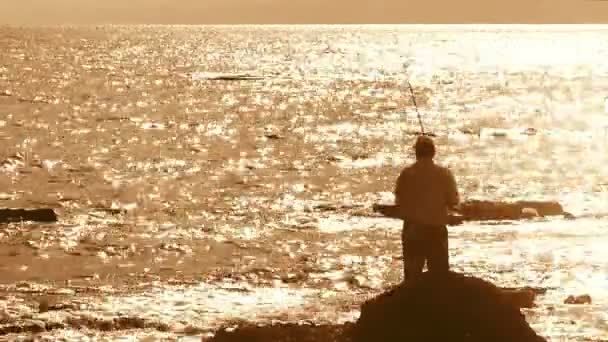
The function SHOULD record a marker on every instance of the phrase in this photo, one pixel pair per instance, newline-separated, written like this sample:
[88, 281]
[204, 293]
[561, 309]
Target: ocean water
[519, 113]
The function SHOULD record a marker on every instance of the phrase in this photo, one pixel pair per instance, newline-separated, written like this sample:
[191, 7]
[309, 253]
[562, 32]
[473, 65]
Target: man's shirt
[424, 192]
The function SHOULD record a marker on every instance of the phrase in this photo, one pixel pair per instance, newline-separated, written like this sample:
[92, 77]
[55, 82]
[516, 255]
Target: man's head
[424, 147]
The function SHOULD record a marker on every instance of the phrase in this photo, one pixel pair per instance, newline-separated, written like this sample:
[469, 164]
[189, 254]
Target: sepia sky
[47, 12]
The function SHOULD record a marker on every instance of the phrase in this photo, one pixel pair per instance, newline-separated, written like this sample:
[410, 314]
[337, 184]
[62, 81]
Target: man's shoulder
[444, 169]
[410, 169]
[407, 169]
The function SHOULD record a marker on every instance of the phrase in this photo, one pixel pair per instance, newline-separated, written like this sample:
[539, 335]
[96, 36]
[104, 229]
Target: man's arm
[453, 197]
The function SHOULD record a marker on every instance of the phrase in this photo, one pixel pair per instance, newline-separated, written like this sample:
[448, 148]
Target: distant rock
[8, 215]
[477, 210]
[452, 307]
[218, 76]
[484, 210]
[580, 300]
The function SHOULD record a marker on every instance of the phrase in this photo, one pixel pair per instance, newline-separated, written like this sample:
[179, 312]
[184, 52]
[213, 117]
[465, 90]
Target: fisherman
[424, 194]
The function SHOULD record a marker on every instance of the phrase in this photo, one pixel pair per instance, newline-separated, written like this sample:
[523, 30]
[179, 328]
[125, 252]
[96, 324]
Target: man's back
[424, 191]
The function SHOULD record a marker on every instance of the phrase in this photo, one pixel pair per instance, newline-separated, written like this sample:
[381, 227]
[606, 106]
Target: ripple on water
[342, 222]
[208, 305]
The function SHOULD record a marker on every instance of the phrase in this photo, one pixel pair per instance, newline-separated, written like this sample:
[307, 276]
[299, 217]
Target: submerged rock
[452, 307]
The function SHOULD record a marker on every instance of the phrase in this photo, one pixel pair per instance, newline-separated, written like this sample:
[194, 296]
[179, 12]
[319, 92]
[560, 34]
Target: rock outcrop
[448, 308]
[451, 307]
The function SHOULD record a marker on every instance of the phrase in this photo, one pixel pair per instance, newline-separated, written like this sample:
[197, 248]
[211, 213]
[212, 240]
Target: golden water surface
[186, 203]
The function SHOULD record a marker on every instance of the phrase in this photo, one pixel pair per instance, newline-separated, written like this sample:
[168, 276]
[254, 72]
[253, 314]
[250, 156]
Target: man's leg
[438, 254]
[413, 254]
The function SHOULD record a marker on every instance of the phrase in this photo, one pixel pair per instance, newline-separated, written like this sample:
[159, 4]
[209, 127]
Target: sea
[220, 145]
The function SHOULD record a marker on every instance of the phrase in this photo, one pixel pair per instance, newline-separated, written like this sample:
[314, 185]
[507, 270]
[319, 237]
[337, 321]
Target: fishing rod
[416, 106]
[409, 85]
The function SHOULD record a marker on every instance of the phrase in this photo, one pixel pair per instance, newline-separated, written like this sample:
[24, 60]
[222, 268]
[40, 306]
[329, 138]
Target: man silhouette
[424, 192]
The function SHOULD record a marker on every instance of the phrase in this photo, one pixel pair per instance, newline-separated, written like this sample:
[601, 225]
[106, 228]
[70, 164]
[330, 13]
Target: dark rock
[273, 136]
[475, 210]
[521, 298]
[535, 290]
[489, 210]
[569, 216]
[46, 215]
[499, 134]
[212, 76]
[580, 300]
[469, 131]
[325, 207]
[451, 307]
[61, 307]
